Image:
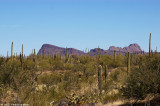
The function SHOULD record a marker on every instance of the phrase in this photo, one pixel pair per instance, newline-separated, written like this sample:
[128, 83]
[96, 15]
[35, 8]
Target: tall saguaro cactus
[35, 59]
[98, 56]
[7, 54]
[12, 51]
[114, 55]
[156, 50]
[66, 56]
[21, 58]
[34, 56]
[143, 52]
[106, 73]
[22, 50]
[100, 79]
[34, 52]
[150, 45]
[128, 63]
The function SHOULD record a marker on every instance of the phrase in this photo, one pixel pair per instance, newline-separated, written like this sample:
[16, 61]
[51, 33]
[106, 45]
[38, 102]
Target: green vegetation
[150, 45]
[12, 51]
[128, 63]
[100, 79]
[38, 80]
[106, 73]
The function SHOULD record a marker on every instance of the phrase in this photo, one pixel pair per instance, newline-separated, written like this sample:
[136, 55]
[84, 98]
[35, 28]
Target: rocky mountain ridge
[49, 49]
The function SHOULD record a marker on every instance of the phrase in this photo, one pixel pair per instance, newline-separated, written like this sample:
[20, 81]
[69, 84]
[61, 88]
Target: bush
[143, 80]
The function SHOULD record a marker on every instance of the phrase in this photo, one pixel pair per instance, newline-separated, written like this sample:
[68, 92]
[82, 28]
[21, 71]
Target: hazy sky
[78, 23]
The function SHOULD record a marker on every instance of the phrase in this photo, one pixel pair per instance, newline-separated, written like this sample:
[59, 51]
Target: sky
[78, 24]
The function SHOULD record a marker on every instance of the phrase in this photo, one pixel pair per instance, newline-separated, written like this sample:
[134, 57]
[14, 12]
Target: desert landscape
[79, 53]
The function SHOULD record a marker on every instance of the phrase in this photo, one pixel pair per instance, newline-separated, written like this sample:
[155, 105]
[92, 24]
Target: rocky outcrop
[51, 50]
[48, 49]
[131, 48]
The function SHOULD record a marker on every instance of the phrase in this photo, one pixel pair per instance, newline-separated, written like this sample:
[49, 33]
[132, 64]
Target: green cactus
[35, 59]
[34, 56]
[66, 52]
[21, 58]
[12, 51]
[143, 52]
[128, 63]
[16, 54]
[88, 52]
[98, 56]
[22, 50]
[150, 45]
[60, 55]
[114, 55]
[100, 79]
[34, 52]
[66, 56]
[119, 52]
[156, 50]
[7, 54]
[106, 73]
[43, 54]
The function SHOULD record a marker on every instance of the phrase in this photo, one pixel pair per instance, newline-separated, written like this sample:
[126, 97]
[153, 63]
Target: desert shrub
[58, 65]
[90, 70]
[9, 71]
[71, 80]
[29, 64]
[85, 59]
[68, 66]
[44, 65]
[114, 75]
[79, 67]
[49, 79]
[106, 60]
[143, 80]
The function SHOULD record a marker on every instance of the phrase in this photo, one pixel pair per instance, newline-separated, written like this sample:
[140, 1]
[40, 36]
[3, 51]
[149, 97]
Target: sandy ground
[116, 103]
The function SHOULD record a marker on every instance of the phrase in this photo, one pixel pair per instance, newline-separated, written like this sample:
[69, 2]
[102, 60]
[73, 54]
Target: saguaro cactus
[66, 56]
[22, 50]
[119, 52]
[12, 51]
[35, 59]
[114, 55]
[98, 56]
[143, 52]
[106, 73]
[156, 50]
[21, 58]
[7, 54]
[34, 56]
[34, 52]
[128, 63]
[100, 79]
[150, 45]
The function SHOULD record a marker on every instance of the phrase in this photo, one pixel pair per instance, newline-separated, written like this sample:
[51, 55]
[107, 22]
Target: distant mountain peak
[131, 48]
[49, 49]
[134, 44]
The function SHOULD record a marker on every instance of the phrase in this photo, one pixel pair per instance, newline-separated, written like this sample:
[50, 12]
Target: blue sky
[79, 24]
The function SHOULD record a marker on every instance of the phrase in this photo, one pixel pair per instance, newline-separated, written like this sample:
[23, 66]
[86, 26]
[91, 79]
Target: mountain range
[49, 49]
